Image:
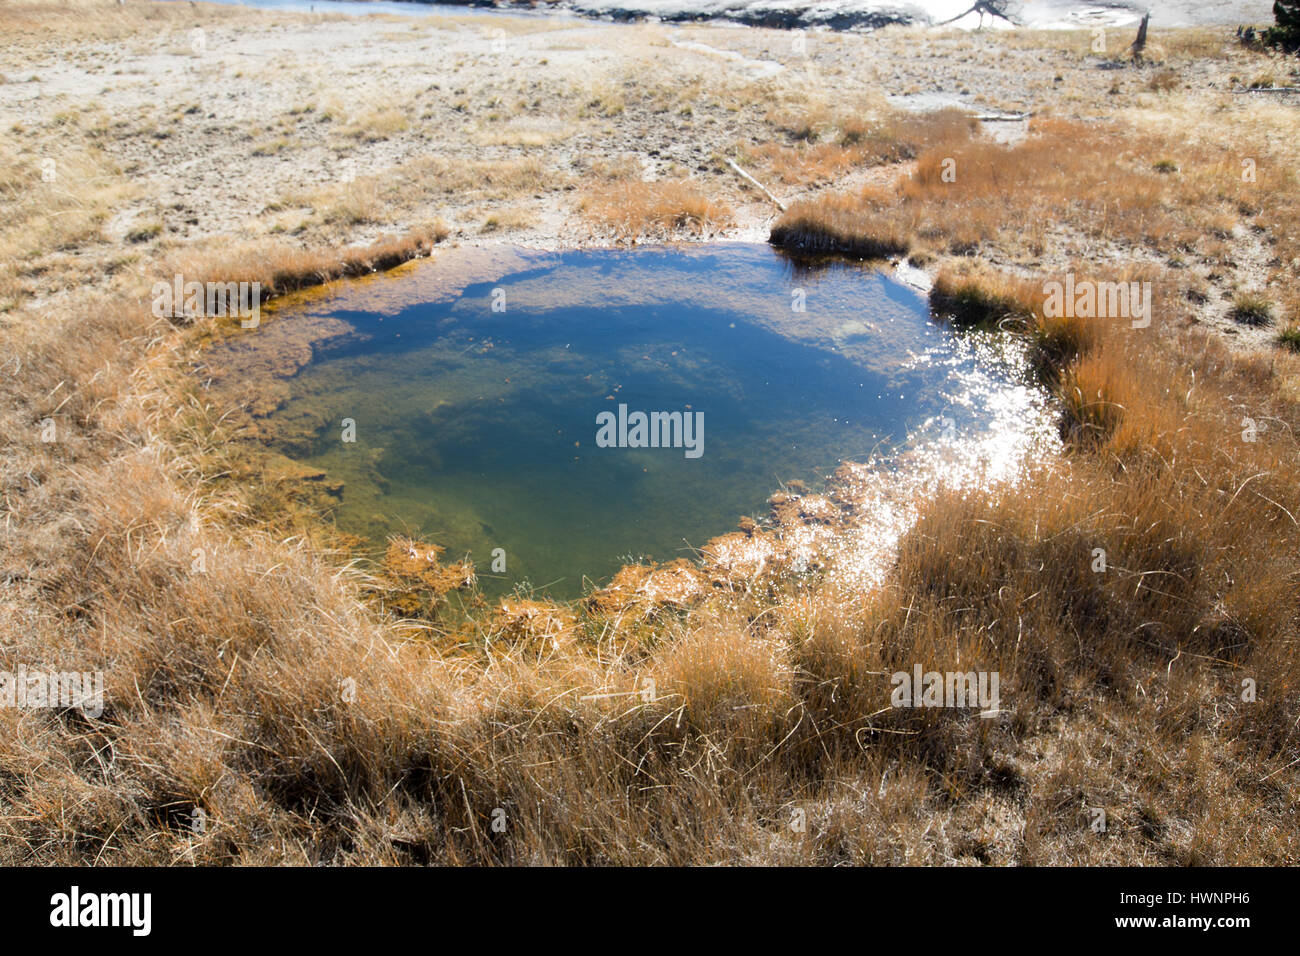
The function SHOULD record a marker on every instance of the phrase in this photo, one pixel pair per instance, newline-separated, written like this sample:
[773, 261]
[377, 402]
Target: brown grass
[320, 712]
[285, 268]
[403, 190]
[841, 223]
[285, 706]
[817, 148]
[51, 210]
[1100, 179]
[98, 21]
[659, 209]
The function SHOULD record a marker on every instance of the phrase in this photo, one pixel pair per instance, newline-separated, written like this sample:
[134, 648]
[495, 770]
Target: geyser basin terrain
[507, 403]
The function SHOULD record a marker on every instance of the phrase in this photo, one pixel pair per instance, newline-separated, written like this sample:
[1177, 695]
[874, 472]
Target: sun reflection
[477, 427]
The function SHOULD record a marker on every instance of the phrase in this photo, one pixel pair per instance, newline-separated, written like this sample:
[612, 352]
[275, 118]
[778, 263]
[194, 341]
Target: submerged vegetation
[1137, 597]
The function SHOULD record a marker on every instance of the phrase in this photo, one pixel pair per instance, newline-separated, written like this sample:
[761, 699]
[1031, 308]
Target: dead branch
[779, 205]
[1140, 43]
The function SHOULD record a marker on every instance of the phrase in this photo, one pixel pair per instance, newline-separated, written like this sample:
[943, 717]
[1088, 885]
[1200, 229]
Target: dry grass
[405, 191]
[101, 21]
[320, 712]
[963, 194]
[310, 727]
[1066, 191]
[508, 219]
[281, 269]
[377, 124]
[843, 224]
[56, 202]
[1252, 309]
[825, 143]
[662, 209]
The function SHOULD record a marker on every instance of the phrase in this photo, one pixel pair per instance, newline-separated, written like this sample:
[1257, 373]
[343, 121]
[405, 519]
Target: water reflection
[476, 384]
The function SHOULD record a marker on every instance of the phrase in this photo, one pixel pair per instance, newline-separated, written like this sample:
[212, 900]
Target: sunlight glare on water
[475, 382]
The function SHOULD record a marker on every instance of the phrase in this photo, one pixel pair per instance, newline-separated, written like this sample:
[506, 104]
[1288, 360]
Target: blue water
[477, 428]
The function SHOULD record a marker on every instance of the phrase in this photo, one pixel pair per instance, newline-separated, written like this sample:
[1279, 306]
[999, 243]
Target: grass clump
[662, 209]
[281, 268]
[966, 195]
[1289, 336]
[376, 125]
[839, 224]
[144, 231]
[1251, 309]
[822, 144]
[982, 300]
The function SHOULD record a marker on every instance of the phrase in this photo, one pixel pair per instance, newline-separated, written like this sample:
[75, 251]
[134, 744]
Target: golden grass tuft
[825, 143]
[283, 268]
[840, 224]
[964, 195]
[655, 209]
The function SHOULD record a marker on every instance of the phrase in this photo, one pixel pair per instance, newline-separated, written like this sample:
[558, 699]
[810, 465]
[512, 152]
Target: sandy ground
[182, 121]
[230, 124]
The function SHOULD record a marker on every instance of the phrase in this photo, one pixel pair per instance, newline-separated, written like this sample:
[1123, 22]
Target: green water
[476, 428]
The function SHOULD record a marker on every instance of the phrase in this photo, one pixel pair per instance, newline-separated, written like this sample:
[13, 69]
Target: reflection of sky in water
[476, 428]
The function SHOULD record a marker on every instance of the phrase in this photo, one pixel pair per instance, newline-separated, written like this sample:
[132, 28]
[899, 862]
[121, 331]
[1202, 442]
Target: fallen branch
[779, 205]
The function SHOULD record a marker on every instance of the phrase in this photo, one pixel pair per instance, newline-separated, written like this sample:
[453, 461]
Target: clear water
[477, 428]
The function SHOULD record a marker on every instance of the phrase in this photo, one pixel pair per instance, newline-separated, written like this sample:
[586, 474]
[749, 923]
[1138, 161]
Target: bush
[1287, 32]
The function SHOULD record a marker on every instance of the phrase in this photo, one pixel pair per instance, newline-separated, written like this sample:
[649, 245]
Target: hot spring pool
[490, 400]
